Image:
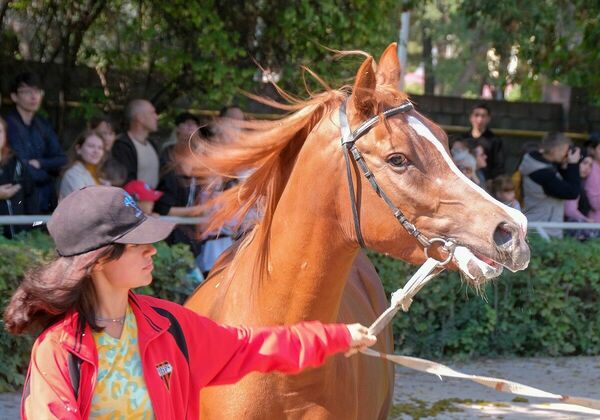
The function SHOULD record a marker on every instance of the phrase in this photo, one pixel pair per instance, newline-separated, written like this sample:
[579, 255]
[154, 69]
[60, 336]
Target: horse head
[409, 158]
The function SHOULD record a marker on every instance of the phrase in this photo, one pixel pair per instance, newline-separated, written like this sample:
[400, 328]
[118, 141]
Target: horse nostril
[503, 235]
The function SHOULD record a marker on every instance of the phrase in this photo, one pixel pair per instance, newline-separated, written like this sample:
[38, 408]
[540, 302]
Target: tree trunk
[3, 9]
[428, 64]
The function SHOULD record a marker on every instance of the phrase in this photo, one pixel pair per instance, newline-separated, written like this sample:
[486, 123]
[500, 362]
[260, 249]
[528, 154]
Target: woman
[467, 164]
[106, 351]
[103, 126]
[84, 169]
[579, 210]
[592, 183]
[17, 187]
[478, 152]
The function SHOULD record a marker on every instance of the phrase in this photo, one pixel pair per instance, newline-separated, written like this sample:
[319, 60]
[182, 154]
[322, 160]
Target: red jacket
[173, 343]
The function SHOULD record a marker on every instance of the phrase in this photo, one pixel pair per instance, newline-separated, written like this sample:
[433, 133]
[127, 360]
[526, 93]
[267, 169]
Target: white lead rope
[402, 299]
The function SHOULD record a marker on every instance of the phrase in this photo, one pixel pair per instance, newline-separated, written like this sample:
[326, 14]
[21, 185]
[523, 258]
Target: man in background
[133, 149]
[33, 140]
[480, 134]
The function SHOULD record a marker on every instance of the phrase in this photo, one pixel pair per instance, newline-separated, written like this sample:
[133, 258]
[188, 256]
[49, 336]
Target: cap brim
[149, 231]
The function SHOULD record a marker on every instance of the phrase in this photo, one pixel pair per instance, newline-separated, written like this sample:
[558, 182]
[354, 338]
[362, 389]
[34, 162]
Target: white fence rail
[538, 227]
[42, 219]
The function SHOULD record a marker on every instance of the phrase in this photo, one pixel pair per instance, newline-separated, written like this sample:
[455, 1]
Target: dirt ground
[423, 396]
[420, 395]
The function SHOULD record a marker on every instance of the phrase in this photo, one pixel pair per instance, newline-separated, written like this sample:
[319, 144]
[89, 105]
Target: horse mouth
[476, 267]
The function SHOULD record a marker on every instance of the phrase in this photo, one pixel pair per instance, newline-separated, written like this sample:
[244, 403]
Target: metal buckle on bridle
[448, 246]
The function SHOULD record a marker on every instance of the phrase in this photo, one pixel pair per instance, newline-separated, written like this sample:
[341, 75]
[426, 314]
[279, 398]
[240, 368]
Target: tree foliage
[551, 40]
[202, 53]
[197, 53]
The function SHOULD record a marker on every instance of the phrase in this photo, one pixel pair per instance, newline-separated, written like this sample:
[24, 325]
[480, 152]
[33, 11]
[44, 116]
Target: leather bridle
[348, 141]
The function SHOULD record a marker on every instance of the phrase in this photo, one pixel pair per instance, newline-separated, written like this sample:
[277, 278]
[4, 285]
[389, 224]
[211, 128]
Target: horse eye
[397, 160]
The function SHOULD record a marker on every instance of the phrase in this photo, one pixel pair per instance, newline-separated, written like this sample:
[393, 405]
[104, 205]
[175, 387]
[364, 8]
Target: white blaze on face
[423, 131]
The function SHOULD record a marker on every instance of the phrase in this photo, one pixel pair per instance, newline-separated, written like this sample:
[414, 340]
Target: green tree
[194, 53]
[480, 42]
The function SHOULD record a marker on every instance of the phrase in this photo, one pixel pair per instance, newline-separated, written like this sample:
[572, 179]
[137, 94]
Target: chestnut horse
[302, 260]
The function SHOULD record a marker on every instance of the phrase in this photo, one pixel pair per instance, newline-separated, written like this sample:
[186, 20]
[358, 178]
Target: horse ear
[389, 70]
[363, 92]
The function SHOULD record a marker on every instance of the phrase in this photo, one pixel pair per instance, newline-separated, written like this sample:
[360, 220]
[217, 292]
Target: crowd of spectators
[554, 182]
[36, 173]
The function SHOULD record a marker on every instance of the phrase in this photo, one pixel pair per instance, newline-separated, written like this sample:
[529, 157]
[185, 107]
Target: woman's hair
[48, 292]
[79, 141]
[6, 151]
[95, 122]
[502, 183]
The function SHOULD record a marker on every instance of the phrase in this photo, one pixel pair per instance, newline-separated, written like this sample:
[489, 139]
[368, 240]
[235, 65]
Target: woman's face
[106, 132]
[480, 157]
[133, 269]
[585, 167]
[92, 150]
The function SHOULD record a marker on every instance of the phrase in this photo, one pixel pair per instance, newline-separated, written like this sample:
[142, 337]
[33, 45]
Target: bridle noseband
[348, 140]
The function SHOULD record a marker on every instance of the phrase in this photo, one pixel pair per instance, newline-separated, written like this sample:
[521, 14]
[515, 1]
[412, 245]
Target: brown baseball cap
[96, 216]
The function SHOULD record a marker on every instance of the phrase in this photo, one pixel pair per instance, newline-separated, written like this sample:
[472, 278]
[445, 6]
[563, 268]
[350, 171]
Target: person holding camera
[550, 176]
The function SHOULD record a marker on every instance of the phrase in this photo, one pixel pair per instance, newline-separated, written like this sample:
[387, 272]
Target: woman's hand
[360, 338]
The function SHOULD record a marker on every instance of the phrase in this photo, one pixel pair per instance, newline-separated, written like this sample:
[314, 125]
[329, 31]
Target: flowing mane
[267, 149]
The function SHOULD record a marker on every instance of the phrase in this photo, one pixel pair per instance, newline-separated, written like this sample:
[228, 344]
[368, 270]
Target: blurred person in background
[103, 126]
[467, 164]
[503, 190]
[550, 176]
[592, 182]
[114, 172]
[181, 196]
[17, 187]
[457, 145]
[33, 140]
[478, 153]
[480, 133]
[578, 210]
[84, 169]
[186, 125]
[228, 124]
[134, 149]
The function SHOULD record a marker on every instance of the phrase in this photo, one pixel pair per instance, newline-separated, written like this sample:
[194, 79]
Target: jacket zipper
[89, 395]
[145, 373]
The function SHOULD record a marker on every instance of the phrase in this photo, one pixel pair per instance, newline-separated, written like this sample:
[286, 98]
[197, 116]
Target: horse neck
[309, 256]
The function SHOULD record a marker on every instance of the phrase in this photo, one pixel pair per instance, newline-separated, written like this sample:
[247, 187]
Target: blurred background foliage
[199, 54]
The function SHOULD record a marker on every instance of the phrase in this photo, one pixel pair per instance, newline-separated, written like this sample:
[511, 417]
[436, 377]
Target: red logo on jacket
[164, 370]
